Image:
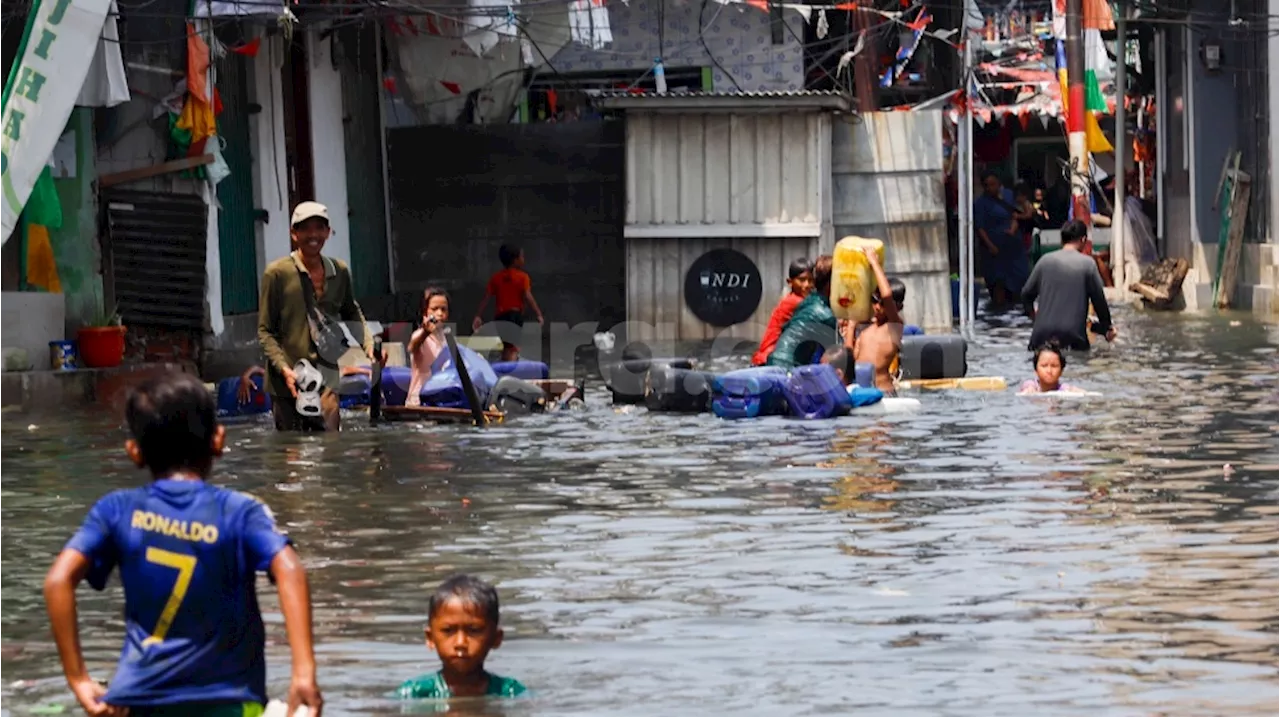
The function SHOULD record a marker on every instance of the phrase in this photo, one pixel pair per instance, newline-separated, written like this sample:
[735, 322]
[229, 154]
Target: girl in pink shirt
[427, 343]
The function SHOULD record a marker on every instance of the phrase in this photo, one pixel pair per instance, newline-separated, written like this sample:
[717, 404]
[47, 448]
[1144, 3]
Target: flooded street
[988, 555]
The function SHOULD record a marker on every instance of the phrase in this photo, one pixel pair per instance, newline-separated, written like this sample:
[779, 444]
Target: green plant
[103, 318]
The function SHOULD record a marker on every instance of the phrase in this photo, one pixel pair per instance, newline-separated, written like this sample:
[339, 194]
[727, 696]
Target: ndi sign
[41, 90]
[723, 287]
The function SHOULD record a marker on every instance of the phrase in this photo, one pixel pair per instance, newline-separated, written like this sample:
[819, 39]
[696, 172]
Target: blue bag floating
[444, 388]
[525, 370]
[353, 391]
[861, 396]
[229, 404]
[750, 392]
[816, 392]
[395, 385]
[864, 374]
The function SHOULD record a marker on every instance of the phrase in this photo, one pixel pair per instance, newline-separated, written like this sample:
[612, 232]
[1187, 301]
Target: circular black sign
[722, 287]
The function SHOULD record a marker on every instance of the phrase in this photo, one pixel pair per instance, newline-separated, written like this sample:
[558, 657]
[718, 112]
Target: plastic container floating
[62, 355]
[852, 279]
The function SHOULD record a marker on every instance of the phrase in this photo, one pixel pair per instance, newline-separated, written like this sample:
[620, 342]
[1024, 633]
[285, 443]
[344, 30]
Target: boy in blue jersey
[188, 555]
[462, 628]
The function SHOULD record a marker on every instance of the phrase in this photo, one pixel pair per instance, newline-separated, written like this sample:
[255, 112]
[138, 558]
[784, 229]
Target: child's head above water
[841, 359]
[1049, 362]
[800, 277]
[462, 625]
[172, 420]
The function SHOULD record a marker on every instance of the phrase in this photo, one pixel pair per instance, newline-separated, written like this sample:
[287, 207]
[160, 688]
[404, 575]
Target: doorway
[297, 122]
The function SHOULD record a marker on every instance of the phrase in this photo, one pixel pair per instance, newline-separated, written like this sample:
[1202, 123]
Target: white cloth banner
[57, 48]
[238, 8]
[106, 84]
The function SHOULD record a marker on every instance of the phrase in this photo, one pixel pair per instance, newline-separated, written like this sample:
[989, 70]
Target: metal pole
[1120, 249]
[967, 127]
[963, 209]
[386, 168]
[1080, 174]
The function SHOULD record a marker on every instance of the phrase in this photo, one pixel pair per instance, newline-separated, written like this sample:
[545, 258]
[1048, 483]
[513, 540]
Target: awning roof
[808, 100]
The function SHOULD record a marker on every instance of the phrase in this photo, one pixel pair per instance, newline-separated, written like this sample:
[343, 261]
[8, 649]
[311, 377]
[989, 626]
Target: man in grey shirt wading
[1065, 281]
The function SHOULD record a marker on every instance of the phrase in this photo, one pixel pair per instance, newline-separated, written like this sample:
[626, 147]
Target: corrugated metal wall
[887, 182]
[155, 257]
[718, 175]
[656, 268]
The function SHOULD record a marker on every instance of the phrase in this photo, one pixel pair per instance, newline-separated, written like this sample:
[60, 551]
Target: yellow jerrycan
[852, 279]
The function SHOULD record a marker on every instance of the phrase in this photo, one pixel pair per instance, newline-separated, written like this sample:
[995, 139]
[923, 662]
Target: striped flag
[1095, 141]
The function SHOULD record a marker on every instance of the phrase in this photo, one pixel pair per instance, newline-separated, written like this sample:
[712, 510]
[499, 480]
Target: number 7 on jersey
[186, 566]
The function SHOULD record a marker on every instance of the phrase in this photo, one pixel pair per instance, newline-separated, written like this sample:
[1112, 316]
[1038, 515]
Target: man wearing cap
[301, 293]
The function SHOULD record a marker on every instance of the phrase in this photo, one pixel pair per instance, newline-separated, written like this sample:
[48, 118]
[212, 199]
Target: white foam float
[276, 708]
[1063, 394]
[890, 405]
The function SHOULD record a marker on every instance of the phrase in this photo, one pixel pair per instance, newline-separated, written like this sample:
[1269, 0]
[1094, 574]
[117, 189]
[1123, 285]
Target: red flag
[452, 87]
[249, 49]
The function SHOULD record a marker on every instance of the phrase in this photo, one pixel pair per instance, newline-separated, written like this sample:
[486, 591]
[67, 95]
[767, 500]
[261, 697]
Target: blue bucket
[62, 355]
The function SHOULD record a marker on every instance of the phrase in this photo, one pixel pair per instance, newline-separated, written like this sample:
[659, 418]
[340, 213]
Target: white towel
[106, 84]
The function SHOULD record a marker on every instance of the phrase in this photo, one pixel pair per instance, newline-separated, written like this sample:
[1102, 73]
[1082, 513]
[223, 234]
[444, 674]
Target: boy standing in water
[879, 343]
[462, 628]
[510, 289]
[188, 553]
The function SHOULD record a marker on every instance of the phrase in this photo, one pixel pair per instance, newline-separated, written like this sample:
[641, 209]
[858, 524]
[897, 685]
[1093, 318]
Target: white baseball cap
[307, 210]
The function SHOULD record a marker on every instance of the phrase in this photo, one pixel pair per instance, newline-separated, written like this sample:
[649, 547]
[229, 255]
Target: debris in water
[1235, 323]
[466, 501]
[32, 427]
[1227, 471]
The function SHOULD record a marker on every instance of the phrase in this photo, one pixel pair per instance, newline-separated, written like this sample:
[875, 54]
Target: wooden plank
[971, 383]
[434, 413]
[133, 175]
[1230, 262]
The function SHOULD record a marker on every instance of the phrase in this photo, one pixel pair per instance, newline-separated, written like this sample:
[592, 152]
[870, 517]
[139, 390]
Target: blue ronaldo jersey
[188, 554]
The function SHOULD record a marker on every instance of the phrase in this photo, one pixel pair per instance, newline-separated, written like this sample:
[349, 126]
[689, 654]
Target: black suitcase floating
[514, 396]
[626, 380]
[679, 390]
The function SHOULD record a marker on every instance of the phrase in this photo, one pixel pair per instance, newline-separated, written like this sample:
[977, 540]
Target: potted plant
[100, 342]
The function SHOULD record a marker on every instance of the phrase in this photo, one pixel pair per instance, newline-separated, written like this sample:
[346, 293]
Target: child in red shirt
[510, 289]
[800, 279]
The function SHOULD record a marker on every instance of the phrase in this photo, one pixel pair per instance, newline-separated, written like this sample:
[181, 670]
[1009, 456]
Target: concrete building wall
[735, 42]
[327, 142]
[270, 190]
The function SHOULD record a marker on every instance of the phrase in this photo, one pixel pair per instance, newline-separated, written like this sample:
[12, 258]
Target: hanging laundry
[197, 113]
[106, 84]
[42, 212]
[907, 48]
[485, 29]
[823, 26]
[589, 23]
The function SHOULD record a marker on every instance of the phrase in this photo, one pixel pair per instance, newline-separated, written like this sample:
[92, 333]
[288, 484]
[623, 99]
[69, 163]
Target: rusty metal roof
[813, 100]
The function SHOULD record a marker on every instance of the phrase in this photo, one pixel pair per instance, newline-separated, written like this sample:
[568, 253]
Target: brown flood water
[989, 555]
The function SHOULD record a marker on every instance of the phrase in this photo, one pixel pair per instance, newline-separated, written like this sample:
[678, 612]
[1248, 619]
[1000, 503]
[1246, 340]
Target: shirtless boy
[879, 343]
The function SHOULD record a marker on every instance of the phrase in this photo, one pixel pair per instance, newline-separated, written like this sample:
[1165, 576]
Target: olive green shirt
[283, 330]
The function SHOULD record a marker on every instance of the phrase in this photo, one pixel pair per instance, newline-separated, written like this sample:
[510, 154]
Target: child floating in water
[427, 342]
[800, 281]
[1048, 361]
[462, 627]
